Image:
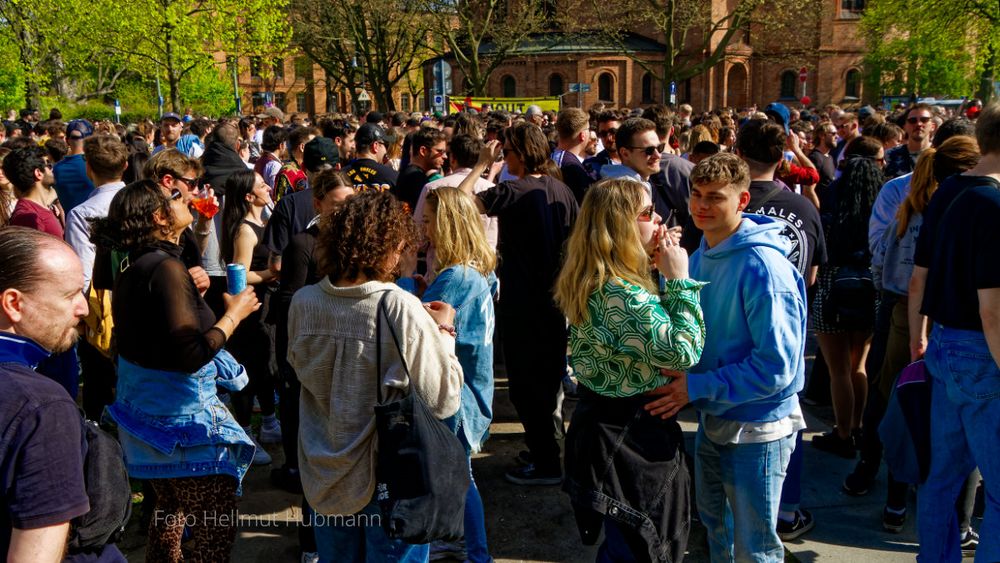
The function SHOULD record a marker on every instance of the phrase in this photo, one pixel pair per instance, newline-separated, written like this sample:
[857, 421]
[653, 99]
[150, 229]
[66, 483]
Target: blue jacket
[755, 317]
[172, 424]
[472, 296]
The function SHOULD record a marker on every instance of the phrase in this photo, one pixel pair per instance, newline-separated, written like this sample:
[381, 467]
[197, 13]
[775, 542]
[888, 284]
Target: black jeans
[535, 358]
[99, 380]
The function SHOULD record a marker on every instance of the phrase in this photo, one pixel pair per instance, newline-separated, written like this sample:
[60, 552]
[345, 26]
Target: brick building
[545, 64]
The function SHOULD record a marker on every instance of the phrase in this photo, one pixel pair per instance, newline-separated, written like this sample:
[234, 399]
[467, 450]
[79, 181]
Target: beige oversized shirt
[332, 347]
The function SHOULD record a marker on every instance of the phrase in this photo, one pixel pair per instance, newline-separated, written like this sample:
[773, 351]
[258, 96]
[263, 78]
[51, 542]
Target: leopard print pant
[206, 505]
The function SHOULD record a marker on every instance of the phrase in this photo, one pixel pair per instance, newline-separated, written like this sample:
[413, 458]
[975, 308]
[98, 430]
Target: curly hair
[130, 224]
[358, 239]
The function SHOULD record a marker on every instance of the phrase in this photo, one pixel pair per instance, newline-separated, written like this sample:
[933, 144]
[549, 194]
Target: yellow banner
[518, 105]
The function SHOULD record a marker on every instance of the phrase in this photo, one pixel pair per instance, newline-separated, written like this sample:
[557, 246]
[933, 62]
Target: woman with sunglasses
[624, 332]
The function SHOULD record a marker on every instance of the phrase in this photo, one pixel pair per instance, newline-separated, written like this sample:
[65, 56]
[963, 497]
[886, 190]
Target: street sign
[364, 97]
[584, 87]
[673, 92]
[574, 87]
[438, 100]
[803, 74]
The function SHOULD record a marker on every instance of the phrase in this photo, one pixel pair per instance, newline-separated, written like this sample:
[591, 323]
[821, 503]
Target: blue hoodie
[755, 317]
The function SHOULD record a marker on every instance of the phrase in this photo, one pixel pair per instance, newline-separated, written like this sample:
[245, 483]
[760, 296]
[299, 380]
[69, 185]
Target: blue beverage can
[236, 278]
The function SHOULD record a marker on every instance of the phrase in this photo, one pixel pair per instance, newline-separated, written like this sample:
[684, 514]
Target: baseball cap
[275, 113]
[779, 113]
[79, 129]
[368, 134]
[866, 112]
[170, 115]
[318, 153]
[374, 117]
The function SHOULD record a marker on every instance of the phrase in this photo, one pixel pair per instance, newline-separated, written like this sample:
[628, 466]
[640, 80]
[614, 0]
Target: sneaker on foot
[523, 457]
[893, 521]
[803, 522]
[834, 444]
[970, 541]
[260, 455]
[529, 475]
[309, 557]
[287, 479]
[860, 481]
[270, 432]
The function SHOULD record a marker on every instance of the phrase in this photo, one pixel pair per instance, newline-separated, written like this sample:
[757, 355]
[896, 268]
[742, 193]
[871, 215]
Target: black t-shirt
[802, 225]
[409, 185]
[291, 216]
[958, 246]
[827, 169]
[536, 215]
[41, 456]
[574, 175]
[366, 174]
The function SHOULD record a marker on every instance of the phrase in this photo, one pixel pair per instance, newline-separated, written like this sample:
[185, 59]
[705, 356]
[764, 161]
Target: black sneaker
[529, 475]
[287, 479]
[523, 457]
[834, 444]
[860, 481]
[893, 522]
[803, 522]
[969, 543]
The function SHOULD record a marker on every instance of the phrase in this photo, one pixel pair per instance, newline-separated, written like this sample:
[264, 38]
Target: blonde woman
[465, 280]
[624, 333]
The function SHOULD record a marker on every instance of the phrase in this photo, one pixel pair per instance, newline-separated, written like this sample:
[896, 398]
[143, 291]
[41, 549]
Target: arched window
[606, 87]
[556, 85]
[852, 84]
[788, 79]
[509, 86]
[647, 88]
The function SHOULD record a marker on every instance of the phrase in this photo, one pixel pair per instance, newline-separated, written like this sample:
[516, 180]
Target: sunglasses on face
[191, 183]
[651, 150]
[646, 214]
[915, 120]
[607, 132]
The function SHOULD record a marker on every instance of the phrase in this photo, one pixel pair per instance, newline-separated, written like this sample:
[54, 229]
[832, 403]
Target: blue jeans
[359, 538]
[965, 425]
[738, 489]
[476, 547]
[791, 488]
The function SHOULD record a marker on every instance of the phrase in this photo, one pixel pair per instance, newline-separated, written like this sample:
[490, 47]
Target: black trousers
[99, 380]
[534, 345]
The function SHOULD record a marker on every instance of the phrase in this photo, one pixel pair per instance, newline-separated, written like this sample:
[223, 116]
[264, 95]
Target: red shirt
[29, 214]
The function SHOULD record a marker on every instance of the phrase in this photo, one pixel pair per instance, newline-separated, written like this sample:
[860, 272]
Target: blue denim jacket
[172, 424]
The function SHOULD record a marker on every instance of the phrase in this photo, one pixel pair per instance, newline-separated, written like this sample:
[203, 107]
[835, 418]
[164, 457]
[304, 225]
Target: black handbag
[421, 472]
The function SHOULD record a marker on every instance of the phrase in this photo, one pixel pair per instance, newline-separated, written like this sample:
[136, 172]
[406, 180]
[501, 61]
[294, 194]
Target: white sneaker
[270, 433]
[310, 557]
[260, 455]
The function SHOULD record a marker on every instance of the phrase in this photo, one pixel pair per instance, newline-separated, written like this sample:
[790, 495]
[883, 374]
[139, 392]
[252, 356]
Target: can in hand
[236, 278]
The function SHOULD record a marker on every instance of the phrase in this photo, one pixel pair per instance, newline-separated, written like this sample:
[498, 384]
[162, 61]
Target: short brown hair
[722, 167]
[629, 129]
[761, 141]
[106, 155]
[170, 161]
[988, 129]
[571, 121]
[357, 238]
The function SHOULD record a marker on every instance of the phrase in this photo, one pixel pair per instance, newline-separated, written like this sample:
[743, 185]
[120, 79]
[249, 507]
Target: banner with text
[506, 104]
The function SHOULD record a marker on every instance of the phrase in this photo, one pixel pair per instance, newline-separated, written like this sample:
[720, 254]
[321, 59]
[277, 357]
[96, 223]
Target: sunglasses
[606, 132]
[190, 182]
[915, 120]
[646, 214]
[651, 150]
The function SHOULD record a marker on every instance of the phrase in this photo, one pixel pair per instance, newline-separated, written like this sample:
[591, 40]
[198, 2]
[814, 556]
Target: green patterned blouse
[630, 334]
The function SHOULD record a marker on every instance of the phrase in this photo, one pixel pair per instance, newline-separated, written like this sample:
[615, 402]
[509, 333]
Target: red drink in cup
[206, 206]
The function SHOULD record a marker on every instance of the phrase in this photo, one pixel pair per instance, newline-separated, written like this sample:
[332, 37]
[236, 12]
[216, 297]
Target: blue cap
[79, 129]
[779, 113]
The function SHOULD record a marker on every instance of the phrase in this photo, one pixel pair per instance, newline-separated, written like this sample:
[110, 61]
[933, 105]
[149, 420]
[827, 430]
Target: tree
[937, 47]
[696, 33]
[480, 34]
[172, 38]
[359, 42]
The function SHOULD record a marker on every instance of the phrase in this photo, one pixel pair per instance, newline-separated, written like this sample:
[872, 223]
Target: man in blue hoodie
[745, 386]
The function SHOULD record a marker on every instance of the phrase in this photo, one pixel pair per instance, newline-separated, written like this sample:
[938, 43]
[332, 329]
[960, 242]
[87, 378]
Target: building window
[852, 84]
[851, 9]
[300, 102]
[605, 87]
[509, 86]
[788, 80]
[303, 68]
[404, 102]
[279, 100]
[254, 67]
[279, 69]
[647, 88]
[556, 85]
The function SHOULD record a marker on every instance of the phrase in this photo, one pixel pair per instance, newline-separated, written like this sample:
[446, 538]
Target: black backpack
[108, 491]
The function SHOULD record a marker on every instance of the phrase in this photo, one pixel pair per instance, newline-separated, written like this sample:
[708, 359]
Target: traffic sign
[574, 87]
[363, 96]
[673, 92]
[803, 74]
[438, 100]
[584, 87]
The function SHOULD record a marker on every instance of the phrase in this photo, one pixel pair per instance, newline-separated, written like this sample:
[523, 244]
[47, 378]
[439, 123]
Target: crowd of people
[640, 261]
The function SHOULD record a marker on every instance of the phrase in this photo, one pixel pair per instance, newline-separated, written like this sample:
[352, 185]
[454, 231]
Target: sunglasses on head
[651, 150]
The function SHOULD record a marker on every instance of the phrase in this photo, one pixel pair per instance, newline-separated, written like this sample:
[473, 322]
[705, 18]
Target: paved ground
[536, 524]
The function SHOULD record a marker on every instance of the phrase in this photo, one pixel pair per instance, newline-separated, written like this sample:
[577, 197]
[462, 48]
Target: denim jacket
[172, 424]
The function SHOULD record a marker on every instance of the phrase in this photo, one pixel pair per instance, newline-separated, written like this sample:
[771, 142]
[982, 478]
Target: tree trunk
[986, 78]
